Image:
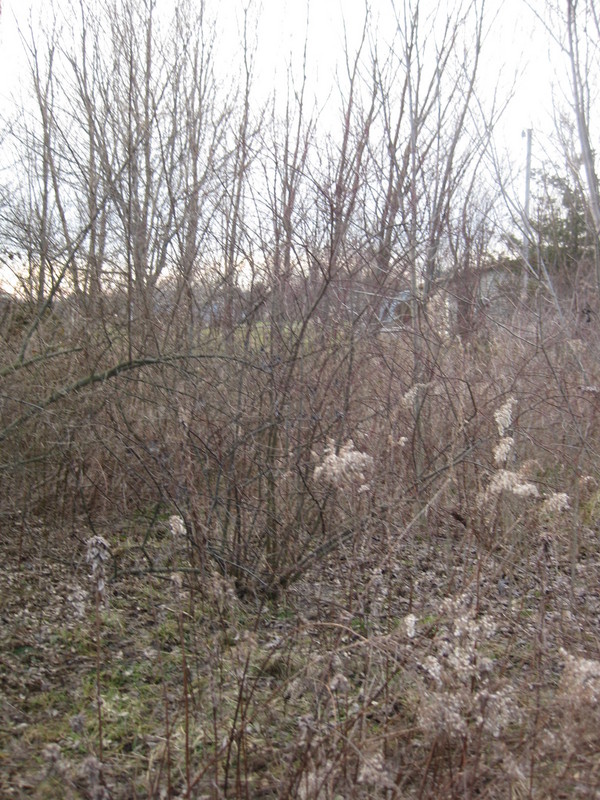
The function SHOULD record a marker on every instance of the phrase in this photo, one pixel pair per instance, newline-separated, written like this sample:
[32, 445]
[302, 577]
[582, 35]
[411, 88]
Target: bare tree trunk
[574, 27]
[580, 92]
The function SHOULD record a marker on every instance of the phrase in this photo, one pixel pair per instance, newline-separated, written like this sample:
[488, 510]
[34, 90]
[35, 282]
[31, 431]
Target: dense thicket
[305, 377]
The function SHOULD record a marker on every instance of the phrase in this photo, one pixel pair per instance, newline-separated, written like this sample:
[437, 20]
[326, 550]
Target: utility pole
[529, 134]
[526, 241]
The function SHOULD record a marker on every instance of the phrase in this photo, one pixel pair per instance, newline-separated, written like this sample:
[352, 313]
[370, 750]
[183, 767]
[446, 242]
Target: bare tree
[231, 268]
[584, 58]
[574, 28]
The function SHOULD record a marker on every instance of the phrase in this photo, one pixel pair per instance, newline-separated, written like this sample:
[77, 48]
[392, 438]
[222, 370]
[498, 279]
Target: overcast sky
[516, 58]
[517, 51]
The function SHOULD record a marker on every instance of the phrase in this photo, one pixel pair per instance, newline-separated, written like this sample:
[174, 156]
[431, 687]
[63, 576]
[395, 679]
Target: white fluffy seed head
[503, 450]
[504, 416]
[176, 526]
[348, 468]
[506, 481]
[556, 503]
